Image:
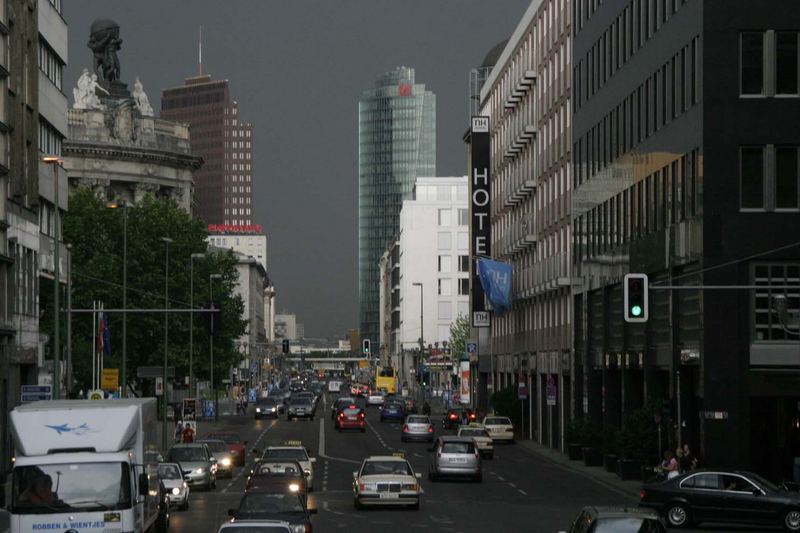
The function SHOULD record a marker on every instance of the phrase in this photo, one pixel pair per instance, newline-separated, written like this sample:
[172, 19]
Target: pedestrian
[426, 408]
[670, 464]
[178, 431]
[688, 461]
[188, 433]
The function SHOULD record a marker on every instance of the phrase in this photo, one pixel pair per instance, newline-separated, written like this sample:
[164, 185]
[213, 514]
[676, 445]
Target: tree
[96, 235]
[460, 332]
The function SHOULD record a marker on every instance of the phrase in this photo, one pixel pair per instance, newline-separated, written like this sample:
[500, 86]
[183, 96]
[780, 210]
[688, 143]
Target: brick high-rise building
[224, 184]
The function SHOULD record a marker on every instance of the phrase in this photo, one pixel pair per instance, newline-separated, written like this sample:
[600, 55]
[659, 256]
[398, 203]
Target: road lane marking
[241, 470]
[522, 492]
[322, 446]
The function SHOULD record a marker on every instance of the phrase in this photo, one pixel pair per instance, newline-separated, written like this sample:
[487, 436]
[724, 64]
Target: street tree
[460, 332]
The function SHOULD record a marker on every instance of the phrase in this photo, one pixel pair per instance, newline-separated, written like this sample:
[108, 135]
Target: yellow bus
[386, 378]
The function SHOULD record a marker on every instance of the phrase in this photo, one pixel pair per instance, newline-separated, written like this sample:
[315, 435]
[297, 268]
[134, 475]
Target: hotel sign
[230, 228]
[480, 204]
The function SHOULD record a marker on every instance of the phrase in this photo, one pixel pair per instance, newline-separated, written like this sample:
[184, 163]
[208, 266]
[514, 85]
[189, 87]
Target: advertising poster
[464, 388]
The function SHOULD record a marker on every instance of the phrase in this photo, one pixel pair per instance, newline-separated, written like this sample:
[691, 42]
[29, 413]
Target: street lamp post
[55, 161]
[69, 319]
[124, 206]
[211, 279]
[421, 333]
[164, 388]
[191, 319]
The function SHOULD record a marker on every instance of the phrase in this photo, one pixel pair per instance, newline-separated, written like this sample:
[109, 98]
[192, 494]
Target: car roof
[189, 445]
[287, 447]
[386, 458]
[454, 438]
[253, 523]
[610, 511]
[176, 465]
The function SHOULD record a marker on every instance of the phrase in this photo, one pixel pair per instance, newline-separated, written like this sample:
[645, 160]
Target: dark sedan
[456, 417]
[393, 410]
[268, 408]
[274, 503]
[730, 497]
[616, 520]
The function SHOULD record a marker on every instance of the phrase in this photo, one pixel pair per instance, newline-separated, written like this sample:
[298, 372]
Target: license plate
[389, 496]
[351, 418]
[458, 460]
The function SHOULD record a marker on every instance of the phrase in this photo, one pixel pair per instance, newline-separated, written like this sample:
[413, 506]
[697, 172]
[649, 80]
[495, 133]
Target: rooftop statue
[85, 93]
[141, 99]
[104, 42]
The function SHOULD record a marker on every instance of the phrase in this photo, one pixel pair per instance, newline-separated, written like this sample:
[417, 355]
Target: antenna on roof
[200, 51]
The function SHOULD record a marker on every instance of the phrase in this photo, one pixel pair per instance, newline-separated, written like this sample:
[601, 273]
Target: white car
[500, 428]
[171, 476]
[386, 480]
[375, 398]
[481, 437]
[293, 450]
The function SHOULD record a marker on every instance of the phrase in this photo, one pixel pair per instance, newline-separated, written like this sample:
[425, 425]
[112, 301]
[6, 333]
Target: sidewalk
[596, 473]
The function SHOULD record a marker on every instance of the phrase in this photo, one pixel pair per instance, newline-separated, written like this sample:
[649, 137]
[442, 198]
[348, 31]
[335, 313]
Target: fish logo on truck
[77, 430]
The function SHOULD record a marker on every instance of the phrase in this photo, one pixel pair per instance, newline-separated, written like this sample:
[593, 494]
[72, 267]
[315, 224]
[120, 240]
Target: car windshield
[377, 468]
[266, 401]
[620, 525]
[277, 528]
[286, 453]
[265, 503]
[225, 437]
[498, 421]
[458, 447]
[187, 454]
[393, 405]
[278, 469]
[418, 420]
[63, 488]
[216, 446]
[351, 412]
[169, 472]
[300, 401]
[764, 483]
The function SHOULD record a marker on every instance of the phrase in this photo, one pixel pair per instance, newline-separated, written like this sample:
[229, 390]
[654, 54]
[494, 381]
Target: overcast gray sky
[297, 68]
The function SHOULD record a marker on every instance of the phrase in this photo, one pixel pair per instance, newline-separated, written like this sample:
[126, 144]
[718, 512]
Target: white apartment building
[527, 99]
[252, 244]
[431, 262]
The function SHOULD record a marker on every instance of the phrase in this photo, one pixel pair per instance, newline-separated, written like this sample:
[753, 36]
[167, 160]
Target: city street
[520, 490]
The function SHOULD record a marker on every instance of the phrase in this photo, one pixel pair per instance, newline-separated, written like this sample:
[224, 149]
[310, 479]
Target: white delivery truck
[86, 466]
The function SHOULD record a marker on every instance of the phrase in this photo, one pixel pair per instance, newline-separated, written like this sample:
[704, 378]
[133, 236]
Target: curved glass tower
[396, 144]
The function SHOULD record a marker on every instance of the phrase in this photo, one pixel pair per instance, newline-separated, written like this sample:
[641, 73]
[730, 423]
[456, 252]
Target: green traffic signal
[636, 310]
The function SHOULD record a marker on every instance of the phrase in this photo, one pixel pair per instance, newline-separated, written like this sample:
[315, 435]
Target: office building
[223, 186]
[527, 99]
[686, 168]
[286, 326]
[397, 143]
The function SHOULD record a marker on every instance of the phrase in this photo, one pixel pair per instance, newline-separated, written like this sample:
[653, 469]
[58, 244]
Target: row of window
[50, 140]
[768, 178]
[50, 64]
[668, 93]
[774, 280]
[444, 311]
[446, 217]
[56, 4]
[446, 263]
[193, 100]
[445, 241]
[237, 211]
[26, 267]
[662, 199]
[445, 287]
[769, 63]
[634, 26]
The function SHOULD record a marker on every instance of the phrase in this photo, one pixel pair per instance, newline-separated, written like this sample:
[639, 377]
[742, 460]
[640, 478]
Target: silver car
[222, 454]
[417, 427]
[177, 489]
[455, 456]
[197, 463]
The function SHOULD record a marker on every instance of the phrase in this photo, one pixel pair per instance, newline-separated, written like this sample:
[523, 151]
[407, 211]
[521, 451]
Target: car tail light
[340, 415]
[309, 528]
[430, 429]
[472, 416]
[361, 486]
[405, 428]
[361, 416]
[453, 416]
[642, 494]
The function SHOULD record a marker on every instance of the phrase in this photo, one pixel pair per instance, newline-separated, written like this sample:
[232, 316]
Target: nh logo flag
[496, 282]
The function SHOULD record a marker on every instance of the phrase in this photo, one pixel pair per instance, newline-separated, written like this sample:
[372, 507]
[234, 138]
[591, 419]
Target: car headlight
[258, 409]
[185, 486]
[410, 486]
[200, 471]
[307, 472]
[273, 409]
[294, 487]
[298, 528]
[226, 461]
[176, 491]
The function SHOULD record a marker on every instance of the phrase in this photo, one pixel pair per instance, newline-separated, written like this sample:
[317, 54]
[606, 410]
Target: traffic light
[635, 296]
[285, 346]
[365, 346]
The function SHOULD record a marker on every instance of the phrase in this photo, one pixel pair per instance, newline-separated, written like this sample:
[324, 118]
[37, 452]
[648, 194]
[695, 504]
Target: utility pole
[55, 161]
[211, 279]
[164, 442]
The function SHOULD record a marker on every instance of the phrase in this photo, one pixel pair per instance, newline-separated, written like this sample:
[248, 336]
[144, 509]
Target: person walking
[670, 464]
[178, 431]
[688, 461]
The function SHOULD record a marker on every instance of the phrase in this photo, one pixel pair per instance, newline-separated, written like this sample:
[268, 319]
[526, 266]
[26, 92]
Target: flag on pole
[103, 336]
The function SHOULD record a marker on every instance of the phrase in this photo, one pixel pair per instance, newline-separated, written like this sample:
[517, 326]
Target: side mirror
[144, 481]
[232, 513]
[255, 451]
[355, 474]
[308, 450]
[313, 459]
[419, 476]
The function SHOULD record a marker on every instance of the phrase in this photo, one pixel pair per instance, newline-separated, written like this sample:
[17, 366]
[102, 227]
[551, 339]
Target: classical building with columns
[119, 150]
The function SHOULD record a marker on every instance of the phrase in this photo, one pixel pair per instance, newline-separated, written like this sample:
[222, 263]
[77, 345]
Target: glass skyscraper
[396, 144]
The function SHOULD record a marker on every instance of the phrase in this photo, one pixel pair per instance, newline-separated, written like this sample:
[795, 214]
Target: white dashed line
[522, 492]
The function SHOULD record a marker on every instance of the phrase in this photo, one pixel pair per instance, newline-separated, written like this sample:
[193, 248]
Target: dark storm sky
[297, 68]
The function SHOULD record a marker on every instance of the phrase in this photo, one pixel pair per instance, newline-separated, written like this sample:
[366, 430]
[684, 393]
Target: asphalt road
[520, 490]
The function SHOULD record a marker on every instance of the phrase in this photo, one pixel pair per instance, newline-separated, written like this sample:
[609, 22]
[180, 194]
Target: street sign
[96, 394]
[472, 347]
[550, 390]
[110, 379]
[35, 393]
[480, 319]
[154, 372]
[522, 388]
[159, 386]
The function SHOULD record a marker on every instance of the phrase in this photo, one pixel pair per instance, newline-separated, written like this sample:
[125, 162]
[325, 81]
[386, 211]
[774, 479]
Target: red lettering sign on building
[230, 228]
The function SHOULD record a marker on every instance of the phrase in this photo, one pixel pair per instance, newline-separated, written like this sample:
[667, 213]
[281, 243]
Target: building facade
[397, 143]
[286, 326]
[251, 287]
[527, 98]
[248, 240]
[686, 168]
[224, 185]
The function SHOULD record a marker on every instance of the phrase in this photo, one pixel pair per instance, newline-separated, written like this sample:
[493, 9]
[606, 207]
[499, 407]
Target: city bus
[386, 378]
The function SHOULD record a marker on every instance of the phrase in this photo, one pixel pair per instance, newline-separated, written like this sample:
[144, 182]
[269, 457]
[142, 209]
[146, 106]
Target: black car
[272, 503]
[616, 520]
[456, 416]
[731, 497]
[267, 408]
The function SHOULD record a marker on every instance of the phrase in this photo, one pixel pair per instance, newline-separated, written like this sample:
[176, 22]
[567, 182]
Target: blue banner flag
[496, 282]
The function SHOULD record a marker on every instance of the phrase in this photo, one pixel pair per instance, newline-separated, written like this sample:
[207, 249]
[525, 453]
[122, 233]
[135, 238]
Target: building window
[786, 177]
[463, 217]
[50, 64]
[444, 217]
[445, 240]
[444, 287]
[445, 264]
[463, 263]
[786, 63]
[463, 287]
[50, 140]
[463, 241]
[752, 63]
[774, 278]
[751, 166]
[445, 311]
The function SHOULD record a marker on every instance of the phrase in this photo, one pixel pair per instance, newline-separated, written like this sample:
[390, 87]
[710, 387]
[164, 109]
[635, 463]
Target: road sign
[110, 379]
[154, 372]
[472, 347]
[522, 388]
[480, 319]
[96, 394]
[35, 393]
[159, 386]
[550, 390]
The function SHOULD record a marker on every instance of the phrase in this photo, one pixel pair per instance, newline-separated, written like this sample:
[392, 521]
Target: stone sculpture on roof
[104, 42]
[141, 99]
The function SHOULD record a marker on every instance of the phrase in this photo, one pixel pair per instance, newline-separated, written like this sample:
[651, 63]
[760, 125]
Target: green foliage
[460, 331]
[573, 431]
[612, 443]
[640, 435]
[96, 234]
[506, 403]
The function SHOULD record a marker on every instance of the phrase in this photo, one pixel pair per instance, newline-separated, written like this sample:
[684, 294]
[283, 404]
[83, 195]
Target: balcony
[520, 236]
[546, 275]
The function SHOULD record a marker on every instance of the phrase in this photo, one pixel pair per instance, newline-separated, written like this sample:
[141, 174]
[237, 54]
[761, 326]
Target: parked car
[455, 456]
[722, 496]
[616, 520]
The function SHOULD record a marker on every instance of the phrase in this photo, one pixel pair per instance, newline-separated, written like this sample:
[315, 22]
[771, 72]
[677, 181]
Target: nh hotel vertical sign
[480, 226]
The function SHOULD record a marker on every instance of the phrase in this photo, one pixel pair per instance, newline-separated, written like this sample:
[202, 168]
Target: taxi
[278, 473]
[482, 438]
[500, 428]
[386, 480]
[294, 450]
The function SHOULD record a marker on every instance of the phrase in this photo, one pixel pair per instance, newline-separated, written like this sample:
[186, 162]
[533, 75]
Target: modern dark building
[223, 185]
[685, 151]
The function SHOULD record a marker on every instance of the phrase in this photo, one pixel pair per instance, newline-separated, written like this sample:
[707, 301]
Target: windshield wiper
[101, 505]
